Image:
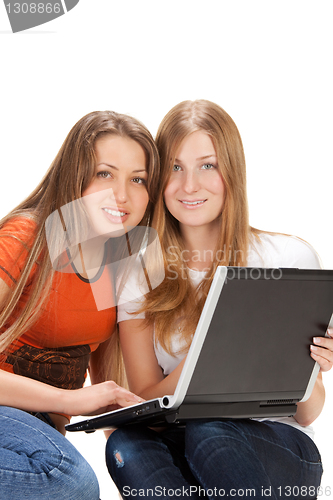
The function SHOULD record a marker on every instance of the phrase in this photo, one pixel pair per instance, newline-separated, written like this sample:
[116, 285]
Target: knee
[131, 449]
[121, 447]
[71, 478]
[114, 458]
[43, 459]
[122, 439]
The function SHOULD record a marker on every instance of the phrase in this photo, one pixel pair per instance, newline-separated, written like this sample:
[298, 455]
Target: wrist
[63, 400]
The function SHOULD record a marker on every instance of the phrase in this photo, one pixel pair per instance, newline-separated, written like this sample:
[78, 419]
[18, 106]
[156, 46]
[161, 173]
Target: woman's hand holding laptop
[322, 351]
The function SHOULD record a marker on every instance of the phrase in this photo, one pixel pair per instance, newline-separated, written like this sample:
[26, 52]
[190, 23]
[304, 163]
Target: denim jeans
[37, 462]
[230, 458]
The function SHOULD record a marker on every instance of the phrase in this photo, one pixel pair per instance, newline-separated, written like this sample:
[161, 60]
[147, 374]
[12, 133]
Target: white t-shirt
[272, 251]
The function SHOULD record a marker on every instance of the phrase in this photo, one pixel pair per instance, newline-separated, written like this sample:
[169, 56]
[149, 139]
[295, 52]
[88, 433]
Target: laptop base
[212, 411]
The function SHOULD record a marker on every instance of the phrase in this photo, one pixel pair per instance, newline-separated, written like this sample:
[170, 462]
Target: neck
[90, 257]
[200, 244]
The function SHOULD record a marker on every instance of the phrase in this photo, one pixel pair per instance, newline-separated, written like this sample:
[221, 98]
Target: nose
[191, 182]
[120, 193]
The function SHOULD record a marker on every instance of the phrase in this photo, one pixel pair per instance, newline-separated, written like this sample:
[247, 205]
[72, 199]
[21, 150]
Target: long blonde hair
[69, 175]
[176, 304]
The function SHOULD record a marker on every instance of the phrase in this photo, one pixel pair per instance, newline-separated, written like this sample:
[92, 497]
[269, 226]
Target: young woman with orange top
[54, 250]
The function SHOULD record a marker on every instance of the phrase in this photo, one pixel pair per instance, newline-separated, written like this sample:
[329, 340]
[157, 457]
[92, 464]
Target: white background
[267, 63]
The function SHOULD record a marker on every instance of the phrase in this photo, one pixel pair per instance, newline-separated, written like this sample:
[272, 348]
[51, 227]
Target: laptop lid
[257, 343]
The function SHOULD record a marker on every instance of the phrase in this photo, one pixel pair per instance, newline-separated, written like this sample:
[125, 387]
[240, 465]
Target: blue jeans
[231, 458]
[36, 461]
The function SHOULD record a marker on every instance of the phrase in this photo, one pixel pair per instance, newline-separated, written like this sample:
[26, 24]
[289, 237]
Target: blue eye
[176, 168]
[208, 166]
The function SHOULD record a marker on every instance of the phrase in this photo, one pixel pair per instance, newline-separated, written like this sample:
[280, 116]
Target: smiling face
[195, 191]
[117, 198]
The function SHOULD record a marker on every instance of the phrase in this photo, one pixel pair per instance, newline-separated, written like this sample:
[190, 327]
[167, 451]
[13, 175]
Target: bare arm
[145, 376]
[322, 352]
[309, 410]
[32, 395]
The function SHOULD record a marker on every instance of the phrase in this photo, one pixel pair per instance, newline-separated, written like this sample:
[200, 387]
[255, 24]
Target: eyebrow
[116, 168]
[201, 157]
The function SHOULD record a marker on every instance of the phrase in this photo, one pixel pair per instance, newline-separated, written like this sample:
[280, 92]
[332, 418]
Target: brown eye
[139, 180]
[103, 174]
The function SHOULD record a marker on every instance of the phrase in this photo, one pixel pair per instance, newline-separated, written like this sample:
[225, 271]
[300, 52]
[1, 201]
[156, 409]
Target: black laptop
[250, 355]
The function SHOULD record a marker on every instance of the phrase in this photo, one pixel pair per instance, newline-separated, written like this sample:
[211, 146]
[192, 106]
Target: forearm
[144, 375]
[166, 386]
[309, 410]
[30, 395]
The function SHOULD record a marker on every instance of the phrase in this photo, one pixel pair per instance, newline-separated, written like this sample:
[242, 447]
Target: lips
[115, 213]
[192, 203]
[115, 216]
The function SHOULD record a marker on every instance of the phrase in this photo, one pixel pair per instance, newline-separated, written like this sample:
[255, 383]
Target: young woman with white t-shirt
[202, 220]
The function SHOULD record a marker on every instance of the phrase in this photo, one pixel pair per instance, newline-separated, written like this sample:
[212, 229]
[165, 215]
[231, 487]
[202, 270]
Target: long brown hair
[176, 305]
[69, 175]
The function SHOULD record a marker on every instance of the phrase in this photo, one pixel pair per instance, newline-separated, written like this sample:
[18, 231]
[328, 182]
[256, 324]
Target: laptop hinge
[215, 411]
